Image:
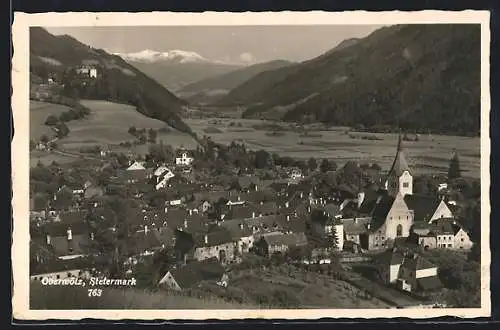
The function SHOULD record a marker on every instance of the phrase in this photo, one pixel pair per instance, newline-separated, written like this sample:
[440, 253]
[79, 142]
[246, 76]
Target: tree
[454, 169]
[152, 134]
[132, 130]
[262, 159]
[51, 120]
[44, 138]
[62, 130]
[326, 166]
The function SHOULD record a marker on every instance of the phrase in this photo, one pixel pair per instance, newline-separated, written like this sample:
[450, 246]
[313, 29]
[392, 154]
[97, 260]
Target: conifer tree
[454, 169]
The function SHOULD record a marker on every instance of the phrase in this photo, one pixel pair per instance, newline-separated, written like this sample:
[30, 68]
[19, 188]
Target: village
[177, 219]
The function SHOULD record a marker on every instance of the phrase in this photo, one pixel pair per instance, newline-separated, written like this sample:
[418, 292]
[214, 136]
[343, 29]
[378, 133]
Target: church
[391, 213]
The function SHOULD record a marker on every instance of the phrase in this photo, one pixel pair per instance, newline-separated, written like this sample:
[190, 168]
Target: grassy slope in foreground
[75, 297]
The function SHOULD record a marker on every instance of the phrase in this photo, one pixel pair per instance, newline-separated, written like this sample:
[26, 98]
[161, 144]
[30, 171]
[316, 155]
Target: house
[136, 166]
[410, 272]
[417, 274]
[146, 242]
[194, 273]
[278, 242]
[56, 269]
[462, 239]
[296, 174]
[441, 233]
[163, 178]
[87, 70]
[69, 246]
[215, 244]
[183, 158]
[354, 228]
[93, 191]
[428, 209]
[241, 233]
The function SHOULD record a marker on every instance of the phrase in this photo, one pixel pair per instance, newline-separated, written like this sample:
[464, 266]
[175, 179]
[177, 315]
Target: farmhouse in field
[183, 158]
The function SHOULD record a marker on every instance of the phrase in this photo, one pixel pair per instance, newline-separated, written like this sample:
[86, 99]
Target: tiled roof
[423, 206]
[197, 271]
[442, 226]
[79, 244]
[429, 283]
[58, 265]
[293, 239]
[355, 226]
[214, 238]
[417, 263]
[389, 258]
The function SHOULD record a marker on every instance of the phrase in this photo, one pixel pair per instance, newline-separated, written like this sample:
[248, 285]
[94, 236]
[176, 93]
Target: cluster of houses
[212, 224]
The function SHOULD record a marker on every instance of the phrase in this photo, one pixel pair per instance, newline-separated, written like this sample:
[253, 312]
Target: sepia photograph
[314, 166]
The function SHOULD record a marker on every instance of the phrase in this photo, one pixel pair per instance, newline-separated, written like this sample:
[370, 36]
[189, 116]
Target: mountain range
[119, 82]
[210, 89]
[418, 77]
[176, 69]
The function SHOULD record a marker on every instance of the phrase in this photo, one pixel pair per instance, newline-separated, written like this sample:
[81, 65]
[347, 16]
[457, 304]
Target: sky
[235, 44]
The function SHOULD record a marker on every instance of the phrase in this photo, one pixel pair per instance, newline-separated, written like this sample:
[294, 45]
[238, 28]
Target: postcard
[284, 165]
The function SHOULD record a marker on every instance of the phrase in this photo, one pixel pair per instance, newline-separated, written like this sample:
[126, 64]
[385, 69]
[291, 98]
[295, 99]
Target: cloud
[247, 57]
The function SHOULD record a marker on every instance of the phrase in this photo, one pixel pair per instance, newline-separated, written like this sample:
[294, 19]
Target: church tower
[399, 179]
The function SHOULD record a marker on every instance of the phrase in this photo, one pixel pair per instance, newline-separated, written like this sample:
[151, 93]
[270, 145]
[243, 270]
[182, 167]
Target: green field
[431, 154]
[109, 123]
[39, 111]
[305, 289]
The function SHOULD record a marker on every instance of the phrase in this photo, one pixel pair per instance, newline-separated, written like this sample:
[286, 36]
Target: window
[57, 276]
[399, 230]
[462, 239]
[383, 237]
[376, 238]
[376, 244]
[406, 184]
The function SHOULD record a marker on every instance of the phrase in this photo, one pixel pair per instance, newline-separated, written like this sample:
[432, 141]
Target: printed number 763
[94, 292]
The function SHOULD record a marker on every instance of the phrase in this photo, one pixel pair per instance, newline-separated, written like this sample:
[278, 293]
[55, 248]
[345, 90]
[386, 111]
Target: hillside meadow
[431, 154]
[39, 111]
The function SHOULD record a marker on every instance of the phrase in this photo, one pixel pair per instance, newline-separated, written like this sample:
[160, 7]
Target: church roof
[400, 164]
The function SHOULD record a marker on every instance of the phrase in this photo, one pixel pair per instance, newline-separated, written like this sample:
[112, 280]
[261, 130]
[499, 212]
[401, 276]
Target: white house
[163, 177]
[461, 239]
[136, 166]
[184, 159]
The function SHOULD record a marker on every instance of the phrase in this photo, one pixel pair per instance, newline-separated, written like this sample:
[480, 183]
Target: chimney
[287, 204]
[241, 226]
[185, 223]
[206, 239]
[48, 239]
[261, 202]
[253, 214]
[301, 194]
[92, 236]
[256, 188]
[239, 198]
[368, 225]
[70, 234]
[190, 212]
[145, 230]
[287, 218]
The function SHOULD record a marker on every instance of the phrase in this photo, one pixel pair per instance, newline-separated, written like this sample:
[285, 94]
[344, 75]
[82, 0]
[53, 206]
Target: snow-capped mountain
[149, 56]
